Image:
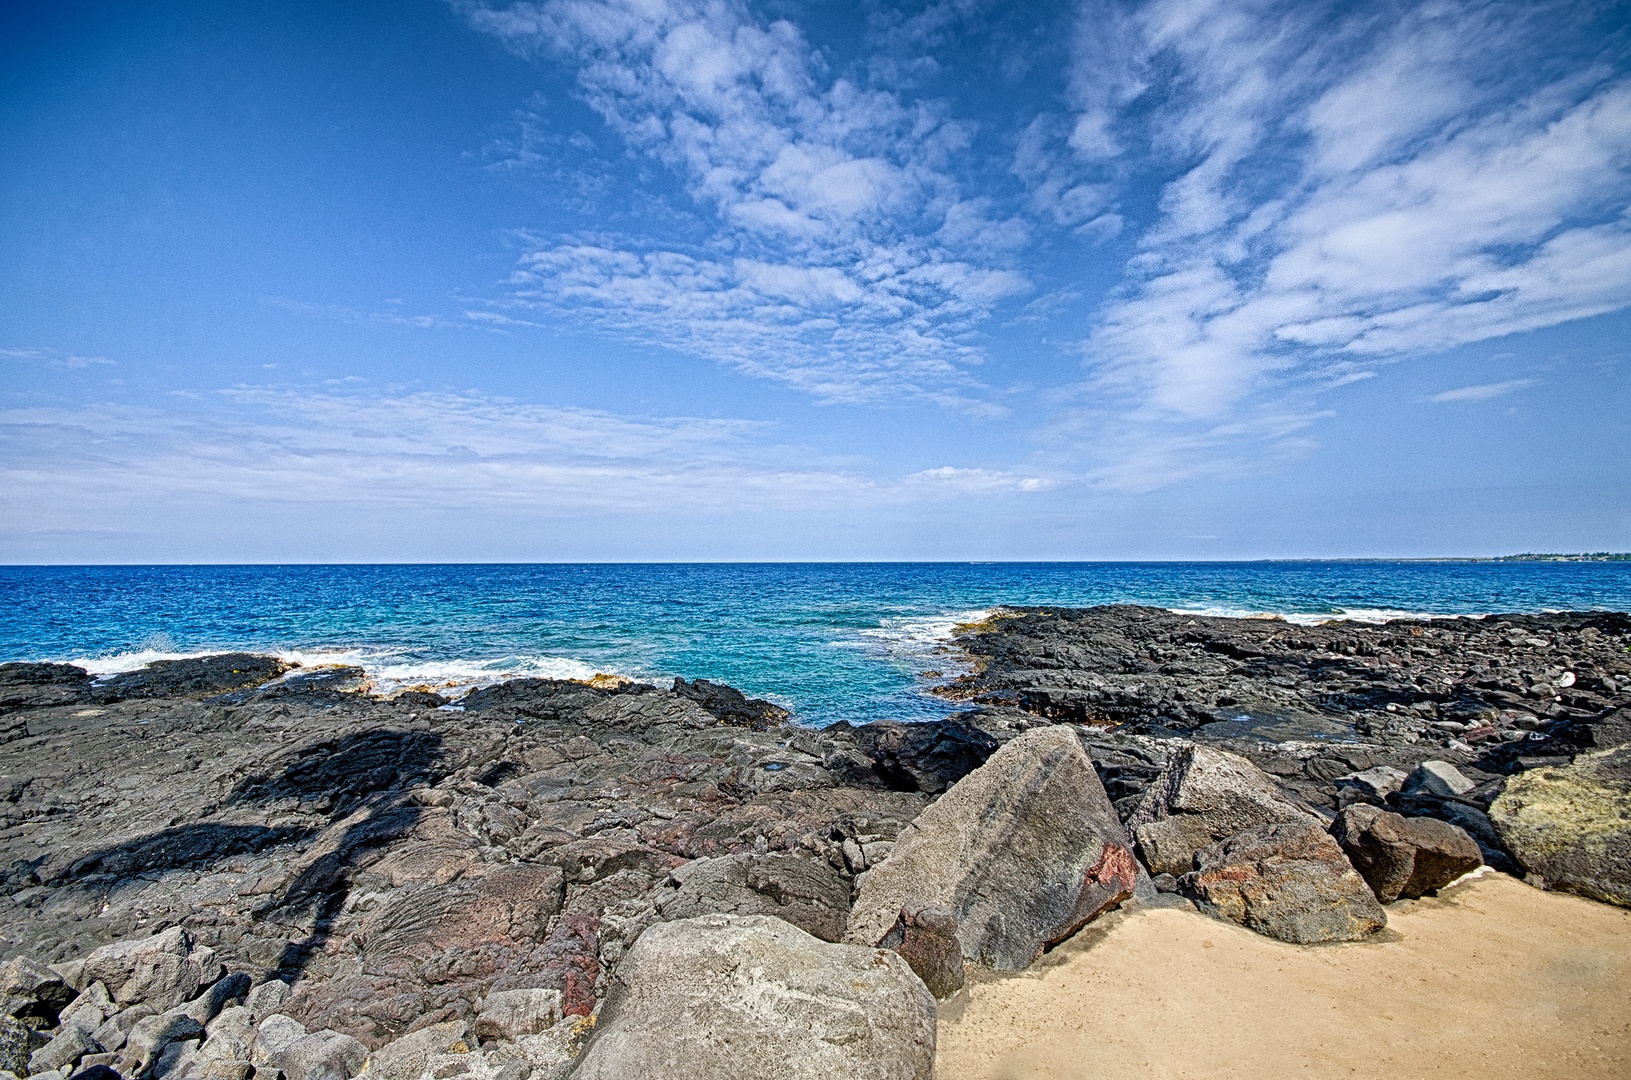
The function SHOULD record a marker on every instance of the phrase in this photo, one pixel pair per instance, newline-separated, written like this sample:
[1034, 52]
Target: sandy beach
[1492, 978]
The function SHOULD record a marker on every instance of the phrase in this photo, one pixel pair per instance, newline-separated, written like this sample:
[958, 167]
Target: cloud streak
[845, 260]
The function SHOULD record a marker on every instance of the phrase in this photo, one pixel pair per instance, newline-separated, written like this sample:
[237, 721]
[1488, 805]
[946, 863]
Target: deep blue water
[830, 640]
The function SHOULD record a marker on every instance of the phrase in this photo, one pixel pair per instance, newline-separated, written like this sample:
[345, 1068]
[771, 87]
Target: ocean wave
[389, 670]
[1314, 618]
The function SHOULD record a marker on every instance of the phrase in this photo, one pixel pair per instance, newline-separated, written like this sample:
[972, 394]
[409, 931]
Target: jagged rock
[205, 1006]
[1404, 857]
[924, 757]
[808, 894]
[1203, 796]
[1438, 778]
[724, 997]
[163, 970]
[37, 686]
[1288, 881]
[1570, 827]
[199, 676]
[926, 937]
[32, 992]
[116, 1028]
[1024, 851]
[730, 705]
[405, 1058]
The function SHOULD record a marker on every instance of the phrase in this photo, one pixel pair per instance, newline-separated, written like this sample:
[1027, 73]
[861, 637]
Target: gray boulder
[267, 998]
[1203, 796]
[926, 937]
[509, 1014]
[1023, 851]
[151, 1036]
[724, 997]
[809, 894]
[1438, 778]
[1374, 784]
[65, 1048]
[406, 1058]
[1570, 828]
[31, 991]
[1288, 881]
[162, 971]
[1399, 856]
[322, 1055]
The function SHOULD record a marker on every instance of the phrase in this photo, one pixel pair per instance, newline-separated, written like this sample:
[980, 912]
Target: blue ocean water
[831, 641]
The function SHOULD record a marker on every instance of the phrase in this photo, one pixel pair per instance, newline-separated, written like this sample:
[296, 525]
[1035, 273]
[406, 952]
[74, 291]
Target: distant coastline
[1584, 556]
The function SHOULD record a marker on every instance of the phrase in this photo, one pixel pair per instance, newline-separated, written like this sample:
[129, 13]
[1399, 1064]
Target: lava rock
[809, 894]
[193, 677]
[1404, 857]
[1438, 778]
[1202, 796]
[1024, 851]
[1287, 881]
[730, 705]
[924, 757]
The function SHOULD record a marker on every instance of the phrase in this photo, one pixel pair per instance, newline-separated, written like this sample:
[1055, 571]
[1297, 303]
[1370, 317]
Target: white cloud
[57, 358]
[857, 271]
[1482, 392]
[1351, 185]
[363, 452]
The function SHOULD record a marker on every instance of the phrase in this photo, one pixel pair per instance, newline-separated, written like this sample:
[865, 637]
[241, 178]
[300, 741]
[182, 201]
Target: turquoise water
[831, 641]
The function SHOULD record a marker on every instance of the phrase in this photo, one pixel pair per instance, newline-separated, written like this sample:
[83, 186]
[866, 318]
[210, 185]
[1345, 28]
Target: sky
[608, 280]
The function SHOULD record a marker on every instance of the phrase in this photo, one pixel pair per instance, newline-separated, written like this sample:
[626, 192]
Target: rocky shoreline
[226, 868]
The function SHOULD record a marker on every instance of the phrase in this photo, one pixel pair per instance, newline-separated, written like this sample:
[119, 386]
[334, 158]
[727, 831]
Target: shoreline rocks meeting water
[229, 868]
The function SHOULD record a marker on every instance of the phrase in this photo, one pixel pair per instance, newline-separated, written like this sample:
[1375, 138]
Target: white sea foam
[921, 642]
[388, 670]
[1313, 618]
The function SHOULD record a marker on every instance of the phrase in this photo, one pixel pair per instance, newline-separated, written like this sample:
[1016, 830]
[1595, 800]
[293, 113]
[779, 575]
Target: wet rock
[1438, 778]
[926, 937]
[1202, 796]
[1570, 827]
[808, 894]
[1404, 857]
[36, 686]
[1024, 851]
[1287, 881]
[730, 705]
[725, 997]
[200, 676]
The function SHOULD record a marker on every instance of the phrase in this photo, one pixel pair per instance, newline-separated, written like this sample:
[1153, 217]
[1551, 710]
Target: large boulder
[809, 894]
[1399, 856]
[723, 997]
[32, 992]
[1288, 881]
[1203, 796]
[1570, 828]
[1023, 851]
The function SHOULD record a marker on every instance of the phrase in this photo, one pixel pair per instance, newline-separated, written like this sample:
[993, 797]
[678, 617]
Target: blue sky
[645, 279]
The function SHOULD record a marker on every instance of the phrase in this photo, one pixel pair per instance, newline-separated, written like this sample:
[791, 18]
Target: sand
[1493, 978]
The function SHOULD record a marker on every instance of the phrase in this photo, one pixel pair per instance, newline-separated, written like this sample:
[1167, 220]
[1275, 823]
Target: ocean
[830, 641]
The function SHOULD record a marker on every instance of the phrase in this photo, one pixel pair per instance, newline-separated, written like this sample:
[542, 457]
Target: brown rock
[1399, 856]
